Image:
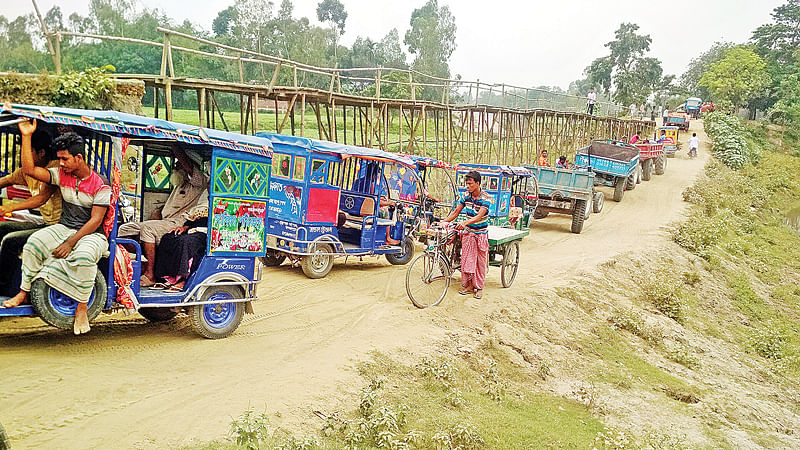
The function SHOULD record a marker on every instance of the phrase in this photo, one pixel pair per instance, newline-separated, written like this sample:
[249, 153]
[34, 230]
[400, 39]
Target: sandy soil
[135, 384]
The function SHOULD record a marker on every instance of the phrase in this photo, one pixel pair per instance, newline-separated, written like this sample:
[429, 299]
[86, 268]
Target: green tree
[781, 39]
[432, 38]
[222, 23]
[333, 13]
[736, 79]
[390, 52]
[701, 64]
[632, 75]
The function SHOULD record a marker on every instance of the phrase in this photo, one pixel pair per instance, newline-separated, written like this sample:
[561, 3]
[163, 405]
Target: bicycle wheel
[427, 280]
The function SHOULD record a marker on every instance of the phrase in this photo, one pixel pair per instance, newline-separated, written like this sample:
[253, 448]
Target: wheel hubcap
[64, 304]
[219, 315]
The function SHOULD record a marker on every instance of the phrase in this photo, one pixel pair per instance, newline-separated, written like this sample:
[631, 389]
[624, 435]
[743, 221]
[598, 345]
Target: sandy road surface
[135, 384]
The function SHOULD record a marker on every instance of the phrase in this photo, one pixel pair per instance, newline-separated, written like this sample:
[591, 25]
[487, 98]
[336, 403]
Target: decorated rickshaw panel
[239, 203]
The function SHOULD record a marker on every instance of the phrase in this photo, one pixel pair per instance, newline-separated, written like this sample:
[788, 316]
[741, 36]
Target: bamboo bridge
[452, 120]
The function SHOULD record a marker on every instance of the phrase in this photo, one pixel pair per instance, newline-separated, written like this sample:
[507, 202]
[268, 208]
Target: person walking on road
[694, 144]
[591, 99]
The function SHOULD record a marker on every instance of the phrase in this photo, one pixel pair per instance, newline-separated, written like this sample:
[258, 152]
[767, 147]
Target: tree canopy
[432, 38]
[737, 78]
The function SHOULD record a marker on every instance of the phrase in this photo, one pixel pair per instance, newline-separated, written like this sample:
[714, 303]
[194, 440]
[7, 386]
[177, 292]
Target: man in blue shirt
[475, 204]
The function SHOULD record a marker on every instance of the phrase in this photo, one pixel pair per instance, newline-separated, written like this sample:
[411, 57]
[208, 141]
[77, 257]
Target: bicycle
[428, 276]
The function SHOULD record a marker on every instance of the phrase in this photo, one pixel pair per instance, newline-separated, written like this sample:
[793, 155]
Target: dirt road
[135, 384]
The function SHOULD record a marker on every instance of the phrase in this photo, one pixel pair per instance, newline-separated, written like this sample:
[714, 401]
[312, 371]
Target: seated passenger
[65, 255]
[46, 197]
[635, 138]
[562, 162]
[542, 161]
[190, 183]
[181, 250]
[662, 137]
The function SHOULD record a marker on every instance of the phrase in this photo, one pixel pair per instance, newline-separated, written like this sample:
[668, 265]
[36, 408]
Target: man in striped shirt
[475, 204]
[65, 255]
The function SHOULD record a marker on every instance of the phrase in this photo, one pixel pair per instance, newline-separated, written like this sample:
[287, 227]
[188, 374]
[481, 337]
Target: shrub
[92, 88]
[768, 342]
[700, 233]
[666, 295]
[249, 430]
[633, 322]
[729, 140]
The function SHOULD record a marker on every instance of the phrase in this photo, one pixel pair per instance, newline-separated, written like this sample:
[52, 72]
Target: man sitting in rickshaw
[474, 235]
[190, 184]
[542, 161]
[65, 255]
[14, 234]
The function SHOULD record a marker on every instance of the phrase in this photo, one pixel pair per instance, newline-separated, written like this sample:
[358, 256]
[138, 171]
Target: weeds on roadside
[632, 321]
[249, 430]
[683, 354]
[768, 342]
[667, 295]
[459, 436]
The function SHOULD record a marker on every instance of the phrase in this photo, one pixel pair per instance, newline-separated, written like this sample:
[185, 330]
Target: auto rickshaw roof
[669, 127]
[345, 151]
[490, 169]
[133, 126]
[426, 161]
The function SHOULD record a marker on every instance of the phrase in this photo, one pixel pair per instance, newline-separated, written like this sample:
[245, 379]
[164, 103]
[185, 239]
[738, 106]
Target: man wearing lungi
[189, 183]
[475, 204]
[65, 255]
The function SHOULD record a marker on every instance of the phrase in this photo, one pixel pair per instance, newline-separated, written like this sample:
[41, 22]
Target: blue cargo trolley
[565, 191]
[614, 163]
[325, 202]
[218, 292]
[513, 190]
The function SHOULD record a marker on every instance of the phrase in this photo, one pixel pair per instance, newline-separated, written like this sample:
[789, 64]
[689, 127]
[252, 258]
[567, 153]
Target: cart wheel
[508, 271]
[539, 214]
[427, 280]
[647, 169]
[631, 182]
[156, 315]
[598, 200]
[58, 309]
[619, 188]
[579, 212]
[661, 164]
[319, 262]
[273, 258]
[218, 320]
[400, 259]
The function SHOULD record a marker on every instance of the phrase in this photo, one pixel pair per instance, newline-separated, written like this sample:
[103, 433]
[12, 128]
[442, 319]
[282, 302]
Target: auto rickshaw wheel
[319, 261]
[218, 320]
[539, 214]
[400, 259]
[273, 258]
[58, 309]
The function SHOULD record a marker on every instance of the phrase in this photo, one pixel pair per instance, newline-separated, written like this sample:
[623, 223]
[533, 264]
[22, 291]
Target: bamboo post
[201, 106]
[56, 58]
[155, 100]
[255, 113]
[168, 97]
[378, 85]
[241, 69]
[411, 83]
[58, 52]
[303, 115]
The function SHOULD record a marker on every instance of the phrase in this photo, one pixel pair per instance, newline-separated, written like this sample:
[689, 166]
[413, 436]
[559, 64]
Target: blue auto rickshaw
[513, 190]
[325, 202]
[134, 154]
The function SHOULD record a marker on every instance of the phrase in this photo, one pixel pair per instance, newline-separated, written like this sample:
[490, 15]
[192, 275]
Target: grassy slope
[705, 354]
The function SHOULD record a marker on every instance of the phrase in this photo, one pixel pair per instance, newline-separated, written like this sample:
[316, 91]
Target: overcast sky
[527, 43]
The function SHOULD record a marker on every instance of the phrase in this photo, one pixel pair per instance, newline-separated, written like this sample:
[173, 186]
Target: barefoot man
[65, 255]
[474, 238]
